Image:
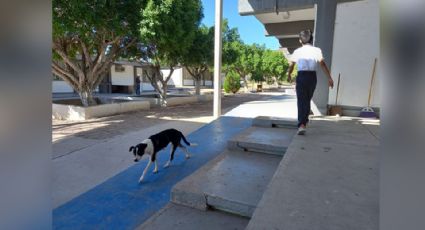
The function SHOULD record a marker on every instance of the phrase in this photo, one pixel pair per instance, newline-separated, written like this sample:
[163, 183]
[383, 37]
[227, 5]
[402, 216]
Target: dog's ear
[141, 149]
[134, 149]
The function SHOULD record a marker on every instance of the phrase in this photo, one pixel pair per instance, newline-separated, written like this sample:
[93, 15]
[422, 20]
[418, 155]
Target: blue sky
[250, 29]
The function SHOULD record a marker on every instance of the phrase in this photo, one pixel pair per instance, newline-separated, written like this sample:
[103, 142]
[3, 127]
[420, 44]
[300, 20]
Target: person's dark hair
[306, 36]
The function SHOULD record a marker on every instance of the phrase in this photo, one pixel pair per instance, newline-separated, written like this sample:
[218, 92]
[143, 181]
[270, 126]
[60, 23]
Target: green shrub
[232, 82]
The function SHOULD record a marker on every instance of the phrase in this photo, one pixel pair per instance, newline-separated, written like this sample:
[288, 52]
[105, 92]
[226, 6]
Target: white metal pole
[217, 57]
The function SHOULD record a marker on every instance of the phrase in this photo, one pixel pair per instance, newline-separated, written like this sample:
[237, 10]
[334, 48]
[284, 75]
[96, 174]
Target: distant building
[122, 75]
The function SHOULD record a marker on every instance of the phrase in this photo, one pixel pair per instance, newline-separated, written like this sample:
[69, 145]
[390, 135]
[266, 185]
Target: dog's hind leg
[185, 151]
[144, 171]
[173, 149]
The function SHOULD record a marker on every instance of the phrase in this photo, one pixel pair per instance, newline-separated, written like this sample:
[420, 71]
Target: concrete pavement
[328, 179]
[81, 163]
[121, 202]
[220, 183]
[263, 140]
[192, 219]
[78, 168]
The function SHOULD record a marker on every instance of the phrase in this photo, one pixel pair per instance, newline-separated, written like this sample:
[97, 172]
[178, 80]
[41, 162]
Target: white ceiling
[295, 15]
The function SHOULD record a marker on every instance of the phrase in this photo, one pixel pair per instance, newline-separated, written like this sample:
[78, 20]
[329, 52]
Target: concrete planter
[71, 110]
[78, 113]
[173, 101]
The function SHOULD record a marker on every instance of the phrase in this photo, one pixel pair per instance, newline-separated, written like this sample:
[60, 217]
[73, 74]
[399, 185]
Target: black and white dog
[157, 142]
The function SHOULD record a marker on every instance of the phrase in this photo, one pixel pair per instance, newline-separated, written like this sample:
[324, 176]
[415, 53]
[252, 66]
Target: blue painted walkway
[122, 203]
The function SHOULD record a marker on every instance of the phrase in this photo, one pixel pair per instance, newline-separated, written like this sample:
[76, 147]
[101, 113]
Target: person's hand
[330, 82]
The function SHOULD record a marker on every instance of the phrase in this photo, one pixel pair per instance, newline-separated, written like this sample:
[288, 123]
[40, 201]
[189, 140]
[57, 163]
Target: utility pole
[217, 57]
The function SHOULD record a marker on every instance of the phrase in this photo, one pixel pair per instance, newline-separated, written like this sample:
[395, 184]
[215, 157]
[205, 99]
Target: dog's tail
[187, 142]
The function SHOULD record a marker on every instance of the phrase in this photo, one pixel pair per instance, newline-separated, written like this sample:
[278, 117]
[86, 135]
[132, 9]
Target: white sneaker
[301, 131]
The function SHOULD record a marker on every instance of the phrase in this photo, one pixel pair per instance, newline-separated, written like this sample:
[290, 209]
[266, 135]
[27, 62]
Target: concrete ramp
[233, 182]
[262, 140]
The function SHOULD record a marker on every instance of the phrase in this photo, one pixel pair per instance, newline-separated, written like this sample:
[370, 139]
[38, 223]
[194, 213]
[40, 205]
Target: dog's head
[138, 151]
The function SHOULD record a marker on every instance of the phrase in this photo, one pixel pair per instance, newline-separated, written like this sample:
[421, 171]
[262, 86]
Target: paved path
[77, 171]
[122, 203]
[87, 153]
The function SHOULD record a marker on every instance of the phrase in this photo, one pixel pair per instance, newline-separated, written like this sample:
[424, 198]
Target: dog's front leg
[167, 164]
[144, 171]
[155, 170]
[186, 152]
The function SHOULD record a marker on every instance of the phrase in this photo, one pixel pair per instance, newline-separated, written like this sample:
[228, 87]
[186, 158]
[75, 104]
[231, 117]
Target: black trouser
[305, 86]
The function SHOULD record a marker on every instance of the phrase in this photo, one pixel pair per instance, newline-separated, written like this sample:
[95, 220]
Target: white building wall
[124, 78]
[176, 77]
[356, 44]
[187, 82]
[61, 87]
[144, 86]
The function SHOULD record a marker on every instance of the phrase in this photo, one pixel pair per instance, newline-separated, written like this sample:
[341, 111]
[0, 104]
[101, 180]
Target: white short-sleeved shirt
[307, 57]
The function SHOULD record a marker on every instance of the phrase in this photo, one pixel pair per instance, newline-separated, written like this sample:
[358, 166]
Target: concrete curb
[268, 122]
[78, 113]
[262, 140]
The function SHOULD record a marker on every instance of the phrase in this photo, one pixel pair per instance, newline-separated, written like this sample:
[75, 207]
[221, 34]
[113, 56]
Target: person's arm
[290, 69]
[327, 72]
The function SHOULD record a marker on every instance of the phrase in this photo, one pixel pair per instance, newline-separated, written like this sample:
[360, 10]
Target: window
[119, 68]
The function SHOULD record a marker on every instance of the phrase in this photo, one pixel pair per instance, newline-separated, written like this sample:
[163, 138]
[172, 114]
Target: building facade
[122, 77]
[347, 31]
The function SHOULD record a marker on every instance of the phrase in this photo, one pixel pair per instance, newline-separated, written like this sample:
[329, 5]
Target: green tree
[232, 82]
[168, 30]
[258, 77]
[275, 66]
[231, 42]
[87, 38]
[200, 55]
[248, 61]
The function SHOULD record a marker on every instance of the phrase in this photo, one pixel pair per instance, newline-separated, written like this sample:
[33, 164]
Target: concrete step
[262, 140]
[233, 182]
[279, 122]
[327, 180]
[180, 217]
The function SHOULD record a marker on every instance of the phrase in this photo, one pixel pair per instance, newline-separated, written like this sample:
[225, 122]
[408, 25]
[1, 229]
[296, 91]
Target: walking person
[138, 85]
[306, 57]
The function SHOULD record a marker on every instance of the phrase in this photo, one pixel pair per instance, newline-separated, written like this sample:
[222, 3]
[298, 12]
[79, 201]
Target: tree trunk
[245, 84]
[86, 97]
[198, 85]
[163, 94]
[85, 74]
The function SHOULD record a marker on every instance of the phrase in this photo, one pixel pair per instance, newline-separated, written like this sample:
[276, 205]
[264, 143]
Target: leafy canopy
[201, 52]
[169, 28]
[97, 20]
[275, 64]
